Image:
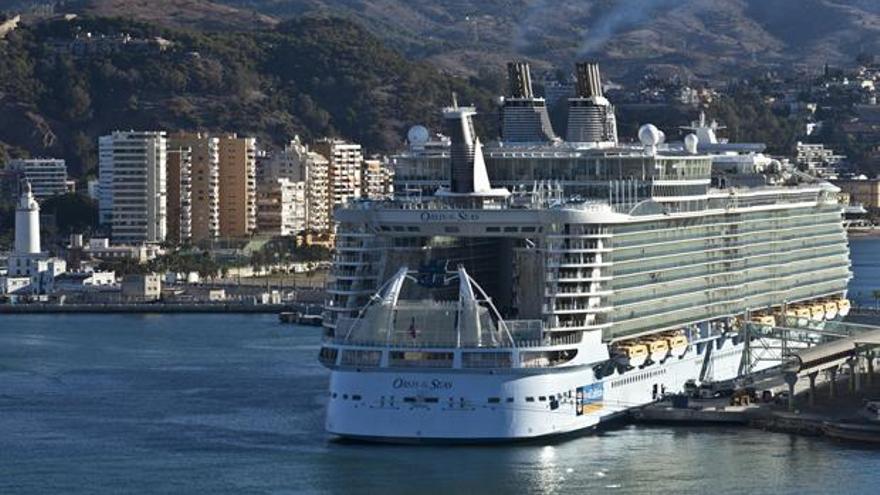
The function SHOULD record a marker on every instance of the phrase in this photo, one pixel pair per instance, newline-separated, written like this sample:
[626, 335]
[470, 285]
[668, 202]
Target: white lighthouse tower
[27, 223]
[29, 269]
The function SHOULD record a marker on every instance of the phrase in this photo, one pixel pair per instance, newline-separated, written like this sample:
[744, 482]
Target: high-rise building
[238, 207]
[281, 207]
[205, 181]
[297, 163]
[377, 179]
[319, 204]
[179, 195]
[344, 169]
[47, 176]
[132, 175]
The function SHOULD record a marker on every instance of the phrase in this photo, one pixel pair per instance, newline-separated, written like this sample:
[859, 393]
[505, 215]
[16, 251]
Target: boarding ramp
[807, 348]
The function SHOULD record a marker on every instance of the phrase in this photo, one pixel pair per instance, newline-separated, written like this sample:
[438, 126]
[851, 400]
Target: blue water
[234, 404]
[865, 254]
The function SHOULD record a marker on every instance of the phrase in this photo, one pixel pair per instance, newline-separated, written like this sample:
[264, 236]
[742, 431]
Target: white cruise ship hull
[443, 406]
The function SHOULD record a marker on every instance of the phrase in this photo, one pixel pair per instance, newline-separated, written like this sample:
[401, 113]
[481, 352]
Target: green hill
[63, 83]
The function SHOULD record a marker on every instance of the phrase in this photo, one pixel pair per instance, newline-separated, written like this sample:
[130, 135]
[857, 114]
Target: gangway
[795, 346]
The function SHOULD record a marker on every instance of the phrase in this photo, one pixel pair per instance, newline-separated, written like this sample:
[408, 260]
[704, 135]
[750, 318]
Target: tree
[74, 213]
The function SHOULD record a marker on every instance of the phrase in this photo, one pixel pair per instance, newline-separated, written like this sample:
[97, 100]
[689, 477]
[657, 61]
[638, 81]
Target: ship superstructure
[527, 288]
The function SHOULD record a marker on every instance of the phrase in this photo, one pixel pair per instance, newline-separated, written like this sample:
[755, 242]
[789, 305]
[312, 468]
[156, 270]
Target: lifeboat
[830, 309]
[763, 320]
[817, 311]
[658, 350]
[678, 343]
[843, 306]
[789, 318]
[803, 315]
[636, 354]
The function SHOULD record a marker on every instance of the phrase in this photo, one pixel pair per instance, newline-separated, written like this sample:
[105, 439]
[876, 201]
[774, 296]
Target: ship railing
[546, 341]
[518, 200]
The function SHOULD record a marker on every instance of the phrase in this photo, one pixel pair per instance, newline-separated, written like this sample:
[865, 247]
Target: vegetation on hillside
[310, 76]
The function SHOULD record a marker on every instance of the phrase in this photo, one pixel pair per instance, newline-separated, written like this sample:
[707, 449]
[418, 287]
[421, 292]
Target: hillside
[60, 89]
[707, 38]
[200, 14]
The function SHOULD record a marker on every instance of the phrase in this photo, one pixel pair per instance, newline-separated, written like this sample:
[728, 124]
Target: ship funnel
[590, 115]
[519, 79]
[524, 117]
[589, 82]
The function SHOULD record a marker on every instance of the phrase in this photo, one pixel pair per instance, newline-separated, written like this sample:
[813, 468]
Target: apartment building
[47, 176]
[132, 175]
[281, 207]
[204, 182]
[237, 185]
[179, 204]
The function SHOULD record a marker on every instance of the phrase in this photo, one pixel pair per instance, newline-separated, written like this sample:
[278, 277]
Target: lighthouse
[27, 223]
[29, 269]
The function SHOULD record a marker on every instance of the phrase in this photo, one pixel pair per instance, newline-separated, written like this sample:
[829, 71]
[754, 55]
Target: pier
[818, 389]
[152, 307]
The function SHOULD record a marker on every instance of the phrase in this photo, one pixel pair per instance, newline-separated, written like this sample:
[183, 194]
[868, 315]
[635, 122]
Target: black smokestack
[589, 82]
[519, 78]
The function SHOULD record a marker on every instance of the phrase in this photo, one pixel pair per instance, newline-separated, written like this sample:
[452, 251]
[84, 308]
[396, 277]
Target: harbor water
[234, 404]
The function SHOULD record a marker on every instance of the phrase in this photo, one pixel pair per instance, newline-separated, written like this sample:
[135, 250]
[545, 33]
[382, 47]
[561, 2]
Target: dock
[154, 307]
[819, 390]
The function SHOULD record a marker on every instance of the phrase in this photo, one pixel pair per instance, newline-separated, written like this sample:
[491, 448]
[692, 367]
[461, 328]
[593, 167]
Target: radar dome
[691, 141]
[649, 135]
[418, 134]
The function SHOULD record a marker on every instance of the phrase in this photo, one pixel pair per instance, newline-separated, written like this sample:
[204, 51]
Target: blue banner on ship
[589, 398]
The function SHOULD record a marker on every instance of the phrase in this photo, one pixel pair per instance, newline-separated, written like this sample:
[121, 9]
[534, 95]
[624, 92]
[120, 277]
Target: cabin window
[493, 229]
[355, 397]
[511, 229]
[542, 398]
[409, 399]
[451, 230]
[431, 400]
[413, 228]
[530, 399]
[510, 399]
[494, 400]
[528, 229]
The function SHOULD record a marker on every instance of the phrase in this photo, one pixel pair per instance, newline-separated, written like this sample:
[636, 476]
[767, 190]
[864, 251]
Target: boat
[830, 309]
[843, 307]
[802, 315]
[529, 287]
[764, 320]
[678, 344]
[658, 350]
[817, 311]
[635, 354]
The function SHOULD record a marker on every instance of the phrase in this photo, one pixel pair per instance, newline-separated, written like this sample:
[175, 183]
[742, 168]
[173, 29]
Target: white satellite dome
[649, 135]
[691, 141]
[418, 134]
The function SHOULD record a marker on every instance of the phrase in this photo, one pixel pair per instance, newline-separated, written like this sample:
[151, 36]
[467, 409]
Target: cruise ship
[538, 286]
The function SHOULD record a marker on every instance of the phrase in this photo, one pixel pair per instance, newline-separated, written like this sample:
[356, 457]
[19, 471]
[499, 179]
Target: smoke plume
[624, 15]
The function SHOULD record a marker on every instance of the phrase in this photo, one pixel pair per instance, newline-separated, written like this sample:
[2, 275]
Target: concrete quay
[37, 308]
[821, 413]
